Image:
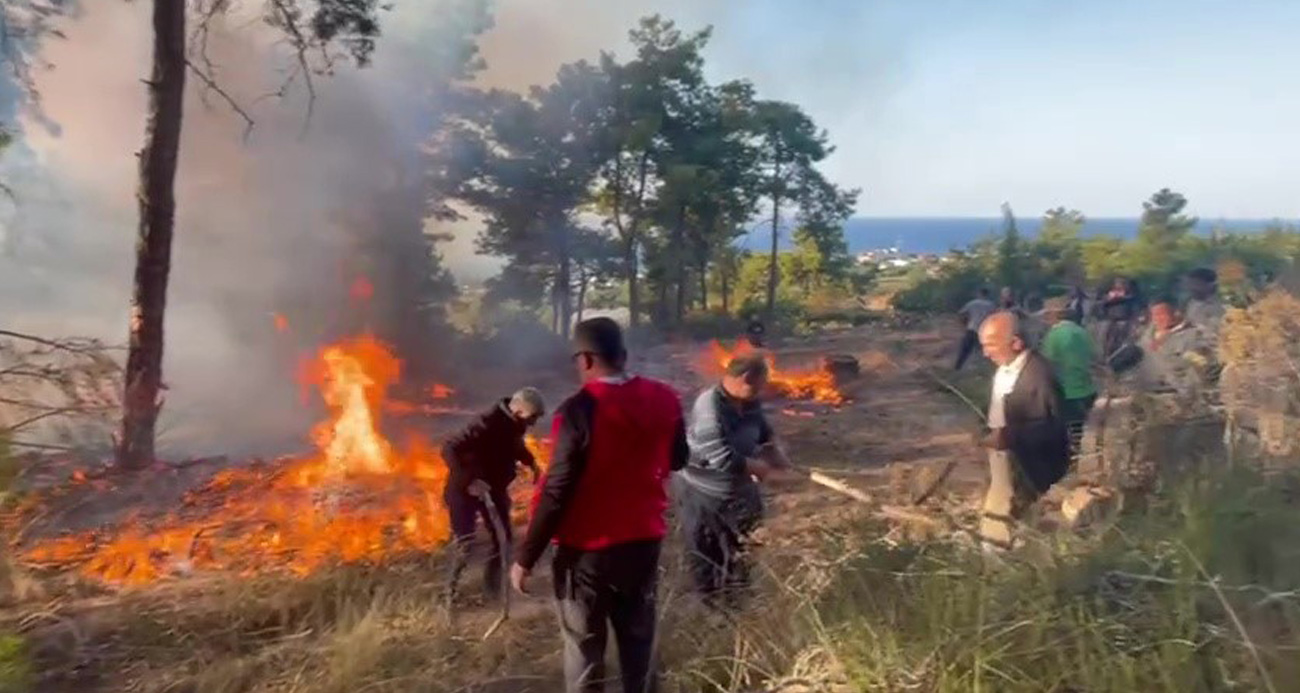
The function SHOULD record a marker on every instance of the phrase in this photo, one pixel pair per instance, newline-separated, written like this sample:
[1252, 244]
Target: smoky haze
[263, 224]
[264, 221]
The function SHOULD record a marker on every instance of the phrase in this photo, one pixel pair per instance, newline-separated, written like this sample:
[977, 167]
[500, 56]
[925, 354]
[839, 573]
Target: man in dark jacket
[1028, 442]
[602, 501]
[732, 447]
[481, 459]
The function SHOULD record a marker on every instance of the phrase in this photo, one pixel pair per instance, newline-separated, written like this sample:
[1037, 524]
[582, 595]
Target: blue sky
[946, 107]
[949, 107]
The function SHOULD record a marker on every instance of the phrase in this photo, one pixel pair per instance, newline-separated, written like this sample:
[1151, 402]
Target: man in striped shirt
[732, 448]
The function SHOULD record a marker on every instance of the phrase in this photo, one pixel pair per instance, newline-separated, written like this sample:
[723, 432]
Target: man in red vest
[602, 501]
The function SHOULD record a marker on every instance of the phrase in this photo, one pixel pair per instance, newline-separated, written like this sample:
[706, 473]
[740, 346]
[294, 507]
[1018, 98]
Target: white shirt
[1004, 381]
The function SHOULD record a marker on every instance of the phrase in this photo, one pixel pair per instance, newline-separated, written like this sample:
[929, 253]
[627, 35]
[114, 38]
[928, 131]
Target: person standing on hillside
[1070, 349]
[1007, 299]
[732, 446]
[1077, 305]
[481, 462]
[1174, 352]
[1204, 310]
[1120, 311]
[602, 501]
[972, 315]
[1028, 441]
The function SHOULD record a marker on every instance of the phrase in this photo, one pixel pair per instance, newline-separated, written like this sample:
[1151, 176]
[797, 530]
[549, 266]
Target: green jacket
[1070, 349]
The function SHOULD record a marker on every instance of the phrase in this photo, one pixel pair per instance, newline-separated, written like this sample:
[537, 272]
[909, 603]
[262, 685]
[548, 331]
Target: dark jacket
[614, 445]
[1036, 431]
[488, 449]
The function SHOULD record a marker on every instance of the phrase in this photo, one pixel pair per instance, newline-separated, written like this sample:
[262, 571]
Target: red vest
[622, 494]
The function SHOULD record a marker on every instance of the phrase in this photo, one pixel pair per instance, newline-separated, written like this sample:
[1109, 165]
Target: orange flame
[281, 322]
[359, 498]
[440, 391]
[816, 384]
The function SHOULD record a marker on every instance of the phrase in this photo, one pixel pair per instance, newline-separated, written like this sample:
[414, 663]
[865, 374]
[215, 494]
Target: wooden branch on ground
[934, 485]
[888, 512]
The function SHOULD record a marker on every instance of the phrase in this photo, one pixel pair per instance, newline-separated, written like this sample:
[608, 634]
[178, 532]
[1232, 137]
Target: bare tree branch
[301, 45]
[212, 86]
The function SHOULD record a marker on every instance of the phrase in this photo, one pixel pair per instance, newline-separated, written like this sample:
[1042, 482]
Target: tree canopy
[646, 154]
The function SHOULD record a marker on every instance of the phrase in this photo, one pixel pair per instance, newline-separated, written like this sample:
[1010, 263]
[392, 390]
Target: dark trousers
[969, 341]
[1075, 412]
[595, 590]
[465, 510]
[716, 531]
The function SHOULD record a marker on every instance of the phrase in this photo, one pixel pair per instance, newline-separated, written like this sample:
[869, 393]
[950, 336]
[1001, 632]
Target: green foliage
[674, 166]
[788, 316]
[1058, 257]
[1167, 602]
[1011, 252]
[15, 664]
[948, 290]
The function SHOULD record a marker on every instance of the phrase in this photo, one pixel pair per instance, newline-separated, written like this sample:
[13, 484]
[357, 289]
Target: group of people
[621, 440]
[602, 502]
[1044, 387]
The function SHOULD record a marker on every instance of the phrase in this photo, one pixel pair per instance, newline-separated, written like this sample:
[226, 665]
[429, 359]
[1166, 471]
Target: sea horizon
[941, 234]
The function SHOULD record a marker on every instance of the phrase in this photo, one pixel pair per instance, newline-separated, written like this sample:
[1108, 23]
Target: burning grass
[1194, 592]
[359, 498]
[816, 384]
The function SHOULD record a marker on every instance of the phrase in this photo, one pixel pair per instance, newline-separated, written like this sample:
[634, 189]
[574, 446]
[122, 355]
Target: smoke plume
[267, 220]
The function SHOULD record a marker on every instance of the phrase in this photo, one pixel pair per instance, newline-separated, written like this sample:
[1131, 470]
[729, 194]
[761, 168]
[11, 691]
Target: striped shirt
[723, 435]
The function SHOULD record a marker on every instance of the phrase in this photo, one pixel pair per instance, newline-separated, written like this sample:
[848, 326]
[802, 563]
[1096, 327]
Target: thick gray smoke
[266, 224]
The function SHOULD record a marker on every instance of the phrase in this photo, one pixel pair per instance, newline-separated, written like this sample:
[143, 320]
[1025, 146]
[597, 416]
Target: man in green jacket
[1072, 353]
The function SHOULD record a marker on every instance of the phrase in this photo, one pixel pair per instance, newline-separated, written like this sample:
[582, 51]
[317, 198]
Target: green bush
[947, 291]
[712, 325]
[787, 316]
[15, 665]
[1194, 593]
[856, 317]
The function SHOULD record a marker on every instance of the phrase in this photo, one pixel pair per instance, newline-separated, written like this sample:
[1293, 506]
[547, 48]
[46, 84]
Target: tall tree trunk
[564, 283]
[631, 270]
[582, 292]
[157, 202]
[678, 258]
[555, 310]
[771, 268]
[725, 277]
[704, 285]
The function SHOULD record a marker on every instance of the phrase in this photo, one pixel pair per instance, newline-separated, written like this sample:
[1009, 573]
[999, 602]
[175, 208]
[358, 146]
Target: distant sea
[941, 234]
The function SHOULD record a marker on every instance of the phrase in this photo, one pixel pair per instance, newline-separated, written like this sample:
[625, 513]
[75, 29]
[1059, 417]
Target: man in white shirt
[1028, 441]
[973, 315]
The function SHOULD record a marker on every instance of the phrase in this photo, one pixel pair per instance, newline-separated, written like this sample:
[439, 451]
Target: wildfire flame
[359, 498]
[816, 384]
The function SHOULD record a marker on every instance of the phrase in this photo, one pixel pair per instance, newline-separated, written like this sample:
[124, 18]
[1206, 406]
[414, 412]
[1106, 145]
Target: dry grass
[1195, 592]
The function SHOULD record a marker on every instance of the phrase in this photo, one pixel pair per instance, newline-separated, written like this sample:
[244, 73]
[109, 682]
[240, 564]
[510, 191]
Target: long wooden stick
[984, 417]
[836, 485]
[503, 555]
[890, 512]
